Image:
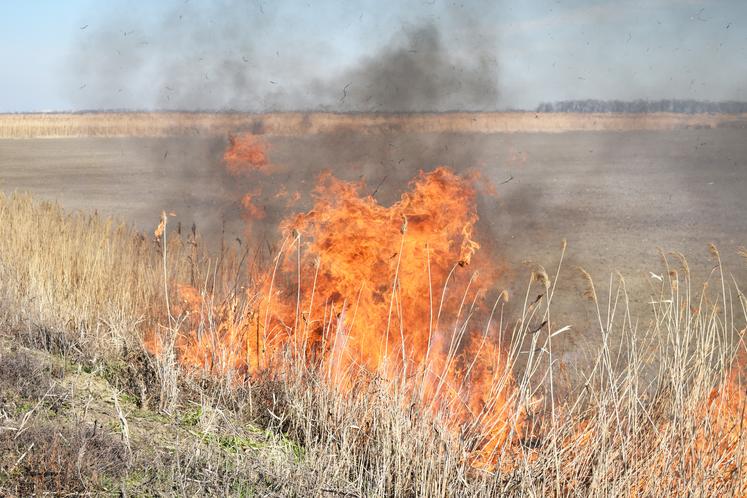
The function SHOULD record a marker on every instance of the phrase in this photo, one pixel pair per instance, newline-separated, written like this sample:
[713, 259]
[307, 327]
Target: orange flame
[717, 444]
[390, 290]
[251, 210]
[395, 291]
[218, 333]
[395, 284]
[246, 153]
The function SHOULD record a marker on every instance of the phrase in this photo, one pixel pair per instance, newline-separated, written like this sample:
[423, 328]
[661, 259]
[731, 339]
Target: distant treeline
[642, 106]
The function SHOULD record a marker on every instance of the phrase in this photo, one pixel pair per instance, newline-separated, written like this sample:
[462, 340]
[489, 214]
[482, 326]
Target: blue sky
[260, 54]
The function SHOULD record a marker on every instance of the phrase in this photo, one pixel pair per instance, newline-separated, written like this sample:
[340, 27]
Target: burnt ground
[615, 196]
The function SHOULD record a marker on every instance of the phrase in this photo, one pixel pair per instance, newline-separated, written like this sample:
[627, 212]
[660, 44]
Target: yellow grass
[94, 278]
[160, 124]
[656, 413]
[75, 271]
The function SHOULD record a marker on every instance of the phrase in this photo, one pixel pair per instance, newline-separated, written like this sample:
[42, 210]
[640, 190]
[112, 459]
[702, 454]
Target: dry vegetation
[85, 408]
[144, 124]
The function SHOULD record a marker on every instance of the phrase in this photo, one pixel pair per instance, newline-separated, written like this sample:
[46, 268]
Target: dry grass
[143, 124]
[81, 274]
[658, 410]
[62, 460]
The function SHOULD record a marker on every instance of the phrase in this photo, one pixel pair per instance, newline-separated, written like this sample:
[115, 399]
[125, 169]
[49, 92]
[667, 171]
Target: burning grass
[385, 364]
[246, 153]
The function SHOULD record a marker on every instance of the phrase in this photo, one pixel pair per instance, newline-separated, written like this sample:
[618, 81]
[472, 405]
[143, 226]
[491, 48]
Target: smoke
[419, 72]
[247, 56]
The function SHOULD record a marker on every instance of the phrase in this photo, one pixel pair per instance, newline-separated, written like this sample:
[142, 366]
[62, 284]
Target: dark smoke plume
[420, 73]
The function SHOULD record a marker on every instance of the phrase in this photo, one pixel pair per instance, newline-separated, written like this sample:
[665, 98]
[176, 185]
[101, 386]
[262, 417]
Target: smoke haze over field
[422, 73]
[348, 56]
[217, 57]
[432, 55]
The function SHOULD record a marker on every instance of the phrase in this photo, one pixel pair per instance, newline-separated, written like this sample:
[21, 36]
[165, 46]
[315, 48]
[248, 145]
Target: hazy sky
[262, 54]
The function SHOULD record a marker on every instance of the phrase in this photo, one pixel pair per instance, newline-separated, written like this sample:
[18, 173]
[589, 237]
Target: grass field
[90, 404]
[166, 124]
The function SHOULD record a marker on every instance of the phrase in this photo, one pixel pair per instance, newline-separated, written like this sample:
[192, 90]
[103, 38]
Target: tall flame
[392, 290]
[398, 292]
[387, 289]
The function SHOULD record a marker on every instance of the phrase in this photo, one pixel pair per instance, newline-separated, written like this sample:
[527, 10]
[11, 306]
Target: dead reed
[165, 124]
[658, 411]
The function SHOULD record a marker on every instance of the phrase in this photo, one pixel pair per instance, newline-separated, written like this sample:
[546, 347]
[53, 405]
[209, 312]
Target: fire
[399, 292]
[251, 210]
[402, 292]
[246, 153]
[392, 290]
[375, 260]
[713, 444]
[395, 290]
[290, 198]
[723, 418]
[221, 347]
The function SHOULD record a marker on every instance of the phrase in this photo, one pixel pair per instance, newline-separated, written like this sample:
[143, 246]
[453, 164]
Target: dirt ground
[614, 196]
